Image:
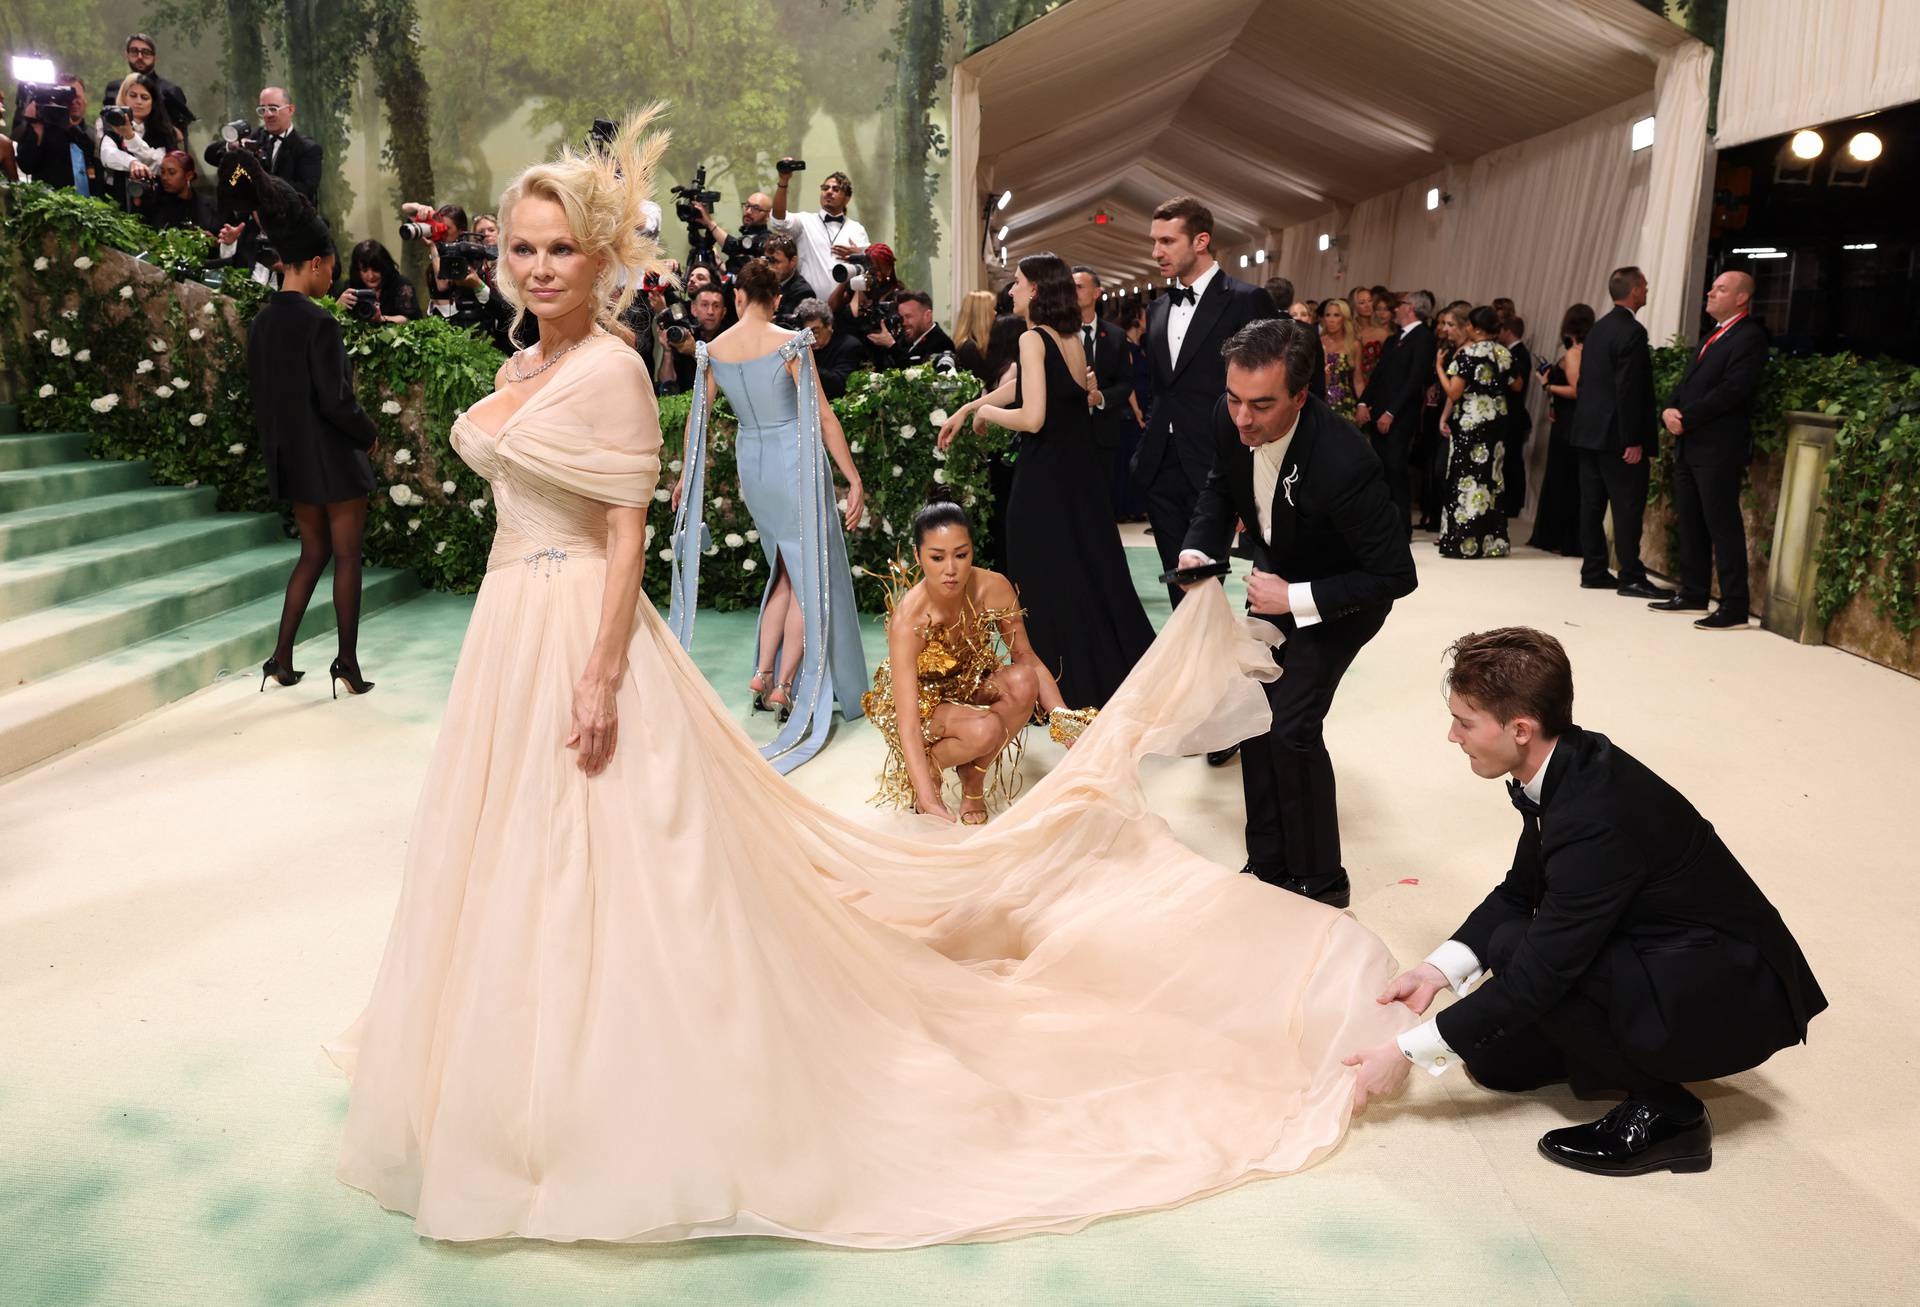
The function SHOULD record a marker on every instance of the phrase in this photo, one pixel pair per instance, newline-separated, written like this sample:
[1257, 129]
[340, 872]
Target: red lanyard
[1724, 328]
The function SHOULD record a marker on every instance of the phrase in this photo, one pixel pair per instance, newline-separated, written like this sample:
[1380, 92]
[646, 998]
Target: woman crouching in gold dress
[957, 701]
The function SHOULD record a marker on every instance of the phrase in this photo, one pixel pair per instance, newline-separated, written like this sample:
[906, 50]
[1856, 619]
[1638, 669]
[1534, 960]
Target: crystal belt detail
[544, 561]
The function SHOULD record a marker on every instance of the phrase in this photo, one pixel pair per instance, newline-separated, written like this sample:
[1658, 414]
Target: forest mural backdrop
[445, 100]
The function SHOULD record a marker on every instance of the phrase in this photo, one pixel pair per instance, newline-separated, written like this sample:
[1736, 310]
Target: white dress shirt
[1179, 316]
[1461, 966]
[121, 155]
[816, 234]
[1268, 459]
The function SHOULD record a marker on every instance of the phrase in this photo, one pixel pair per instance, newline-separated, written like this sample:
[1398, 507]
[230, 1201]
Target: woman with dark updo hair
[960, 700]
[1062, 548]
[809, 646]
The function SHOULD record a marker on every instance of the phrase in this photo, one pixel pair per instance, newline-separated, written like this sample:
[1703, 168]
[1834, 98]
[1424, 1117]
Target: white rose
[194, 333]
[854, 446]
[399, 494]
[906, 433]
[748, 564]
[391, 407]
[897, 469]
[45, 391]
[722, 505]
[674, 466]
[105, 404]
[403, 456]
[413, 524]
[939, 455]
[753, 537]
[207, 308]
[84, 356]
[440, 547]
[662, 496]
[939, 476]
[475, 505]
[734, 540]
[40, 264]
[70, 314]
[163, 392]
[447, 487]
[938, 417]
[886, 526]
[236, 448]
[915, 373]
[177, 383]
[157, 345]
[649, 533]
[143, 367]
[711, 550]
[197, 420]
[60, 347]
[666, 555]
[40, 334]
[126, 292]
[83, 263]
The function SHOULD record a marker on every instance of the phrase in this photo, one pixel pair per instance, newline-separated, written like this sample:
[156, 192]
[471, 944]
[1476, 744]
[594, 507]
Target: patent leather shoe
[1643, 589]
[1221, 757]
[1676, 604]
[1334, 891]
[1722, 620]
[1634, 1138]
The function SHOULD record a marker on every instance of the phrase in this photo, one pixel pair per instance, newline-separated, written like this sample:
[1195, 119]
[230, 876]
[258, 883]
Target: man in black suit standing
[1185, 330]
[1109, 370]
[1390, 407]
[1630, 951]
[1611, 426]
[1708, 415]
[1329, 559]
[289, 155]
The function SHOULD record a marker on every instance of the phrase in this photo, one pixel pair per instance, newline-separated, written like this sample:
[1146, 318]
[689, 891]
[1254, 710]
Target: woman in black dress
[375, 291]
[1556, 522]
[1063, 552]
[314, 435]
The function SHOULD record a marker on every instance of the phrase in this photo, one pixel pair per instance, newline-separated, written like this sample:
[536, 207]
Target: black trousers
[1170, 500]
[1392, 449]
[1513, 501]
[1713, 535]
[1293, 822]
[1607, 479]
[1572, 1043]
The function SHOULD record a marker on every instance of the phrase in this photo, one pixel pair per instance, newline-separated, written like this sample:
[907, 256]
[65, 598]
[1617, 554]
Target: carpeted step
[47, 642]
[61, 483]
[30, 531]
[42, 448]
[59, 575]
[40, 720]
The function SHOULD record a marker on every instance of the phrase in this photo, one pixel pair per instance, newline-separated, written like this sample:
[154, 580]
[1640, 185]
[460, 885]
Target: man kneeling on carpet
[1628, 948]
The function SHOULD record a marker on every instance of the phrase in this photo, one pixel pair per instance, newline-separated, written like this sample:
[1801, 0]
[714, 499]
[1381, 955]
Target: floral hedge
[156, 368]
[1871, 540]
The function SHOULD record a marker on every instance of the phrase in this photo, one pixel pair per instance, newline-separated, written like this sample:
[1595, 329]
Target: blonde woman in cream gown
[637, 988]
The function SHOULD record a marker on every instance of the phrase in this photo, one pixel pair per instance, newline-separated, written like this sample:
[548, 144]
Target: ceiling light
[1243, 260]
[1642, 134]
[1863, 245]
[1006, 198]
[1433, 197]
[1806, 144]
[1865, 147]
[1003, 256]
[1768, 254]
[1753, 249]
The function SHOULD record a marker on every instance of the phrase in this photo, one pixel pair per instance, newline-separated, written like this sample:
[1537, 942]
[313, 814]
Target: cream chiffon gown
[680, 1000]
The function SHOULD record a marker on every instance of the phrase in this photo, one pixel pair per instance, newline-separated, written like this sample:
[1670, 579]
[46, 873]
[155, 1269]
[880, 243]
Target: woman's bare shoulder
[993, 589]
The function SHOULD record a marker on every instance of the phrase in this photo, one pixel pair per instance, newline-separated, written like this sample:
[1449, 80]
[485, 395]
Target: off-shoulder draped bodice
[589, 439]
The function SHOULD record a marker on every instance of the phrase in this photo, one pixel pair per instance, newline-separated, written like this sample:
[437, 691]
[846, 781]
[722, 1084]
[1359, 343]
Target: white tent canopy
[1798, 63]
[1292, 118]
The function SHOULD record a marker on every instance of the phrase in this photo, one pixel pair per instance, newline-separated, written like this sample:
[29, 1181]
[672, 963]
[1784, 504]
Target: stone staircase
[118, 596]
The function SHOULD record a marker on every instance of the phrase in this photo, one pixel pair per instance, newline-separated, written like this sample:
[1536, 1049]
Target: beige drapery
[1796, 63]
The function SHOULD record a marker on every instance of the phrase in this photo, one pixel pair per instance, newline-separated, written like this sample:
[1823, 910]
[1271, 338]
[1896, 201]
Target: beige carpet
[189, 907]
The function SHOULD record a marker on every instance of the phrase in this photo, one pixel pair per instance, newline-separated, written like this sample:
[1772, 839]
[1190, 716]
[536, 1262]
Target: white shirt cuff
[227, 248]
[1300, 603]
[1426, 1050]
[1459, 964]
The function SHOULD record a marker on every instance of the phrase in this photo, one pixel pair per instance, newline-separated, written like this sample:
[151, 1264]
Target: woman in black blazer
[314, 435]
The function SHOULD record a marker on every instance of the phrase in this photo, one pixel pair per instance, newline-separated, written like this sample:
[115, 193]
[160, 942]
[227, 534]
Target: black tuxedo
[1615, 413]
[932, 345]
[297, 164]
[1715, 399]
[1334, 527]
[1629, 948]
[1112, 365]
[1176, 449]
[1398, 386]
[793, 291]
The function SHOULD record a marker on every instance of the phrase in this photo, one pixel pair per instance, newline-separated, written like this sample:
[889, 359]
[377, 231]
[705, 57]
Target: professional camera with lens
[116, 115]
[688, 200]
[458, 258]
[855, 282]
[676, 322]
[366, 305]
[433, 230]
[877, 315]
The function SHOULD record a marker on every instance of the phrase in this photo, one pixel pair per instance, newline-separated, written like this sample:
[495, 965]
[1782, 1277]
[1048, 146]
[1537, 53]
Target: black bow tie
[1183, 295]
[1522, 802]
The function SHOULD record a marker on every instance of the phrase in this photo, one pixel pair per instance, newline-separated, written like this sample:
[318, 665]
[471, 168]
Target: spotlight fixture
[1001, 235]
[1807, 144]
[1753, 249]
[33, 68]
[1862, 245]
[1243, 260]
[1768, 254]
[1326, 242]
[1003, 256]
[1642, 134]
[1259, 256]
[1864, 147]
[1433, 198]
[1006, 198]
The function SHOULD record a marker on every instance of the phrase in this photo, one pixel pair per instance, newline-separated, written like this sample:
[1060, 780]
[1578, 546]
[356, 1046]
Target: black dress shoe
[1221, 757]
[1335, 892]
[1678, 605]
[1643, 589]
[1605, 581]
[1633, 1139]
[1722, 620]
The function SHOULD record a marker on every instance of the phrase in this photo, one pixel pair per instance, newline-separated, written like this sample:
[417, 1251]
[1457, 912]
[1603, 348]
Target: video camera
[787, 167]
[689, 200]
[458, 258]
[37, 87]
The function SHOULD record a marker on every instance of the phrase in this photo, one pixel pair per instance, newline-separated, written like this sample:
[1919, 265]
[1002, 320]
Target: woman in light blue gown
[809, 645]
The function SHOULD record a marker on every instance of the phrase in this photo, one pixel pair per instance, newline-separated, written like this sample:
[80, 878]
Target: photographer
[135, 135]
[460, 279]
[172, 201]
[55, 147]
[836, 357]
[750, 241]
[824, 238]
[783, 257]
[920, 339]
[289, 155]
[141, 53]
[375, 290]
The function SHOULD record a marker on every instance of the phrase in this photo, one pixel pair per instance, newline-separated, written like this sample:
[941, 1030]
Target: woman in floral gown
[1475, 380]
[1345, 379]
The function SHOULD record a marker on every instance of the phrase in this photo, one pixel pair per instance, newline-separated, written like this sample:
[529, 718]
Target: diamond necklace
[515, 374]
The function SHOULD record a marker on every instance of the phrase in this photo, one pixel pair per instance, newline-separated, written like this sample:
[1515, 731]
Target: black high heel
[271, 667]
[786, 709]
[760, 696]
[355, 685]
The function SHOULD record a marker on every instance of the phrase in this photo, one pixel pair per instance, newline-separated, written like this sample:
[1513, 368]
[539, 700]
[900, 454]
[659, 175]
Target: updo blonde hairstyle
[602, 194]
